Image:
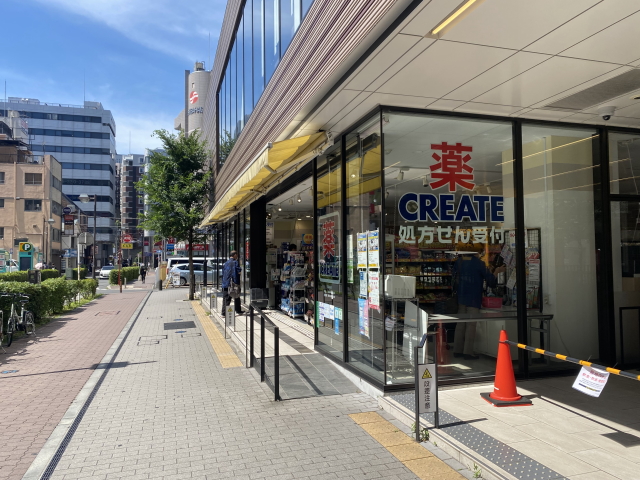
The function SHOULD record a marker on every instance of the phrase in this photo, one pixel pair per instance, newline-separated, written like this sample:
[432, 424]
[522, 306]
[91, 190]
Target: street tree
[178, 187]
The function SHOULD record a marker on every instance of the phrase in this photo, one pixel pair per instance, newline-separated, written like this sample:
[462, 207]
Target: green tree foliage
[226, 145]
[178, 188]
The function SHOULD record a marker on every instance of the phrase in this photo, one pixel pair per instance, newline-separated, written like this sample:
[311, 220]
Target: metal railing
[21, 158]
[253, 309]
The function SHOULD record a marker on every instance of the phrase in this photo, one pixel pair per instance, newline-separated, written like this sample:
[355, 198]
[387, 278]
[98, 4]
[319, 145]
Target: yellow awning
[273, 163]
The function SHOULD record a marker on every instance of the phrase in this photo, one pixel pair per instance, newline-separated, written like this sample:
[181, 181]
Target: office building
[82, 138]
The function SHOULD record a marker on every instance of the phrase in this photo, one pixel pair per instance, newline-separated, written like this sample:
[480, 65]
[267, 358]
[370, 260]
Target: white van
[173, 261]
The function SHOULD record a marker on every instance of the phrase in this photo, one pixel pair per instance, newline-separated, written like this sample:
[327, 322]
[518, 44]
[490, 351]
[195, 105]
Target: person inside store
[470, 274]
[293, 247]
[231, 272]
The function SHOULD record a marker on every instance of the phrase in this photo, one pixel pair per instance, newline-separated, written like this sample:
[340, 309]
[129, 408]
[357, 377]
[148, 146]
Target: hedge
[83, 273]
[128, 273]
[49, 297]
[22, 276]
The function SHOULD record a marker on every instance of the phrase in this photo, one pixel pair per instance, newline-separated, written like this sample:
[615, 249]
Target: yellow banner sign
[126, 246]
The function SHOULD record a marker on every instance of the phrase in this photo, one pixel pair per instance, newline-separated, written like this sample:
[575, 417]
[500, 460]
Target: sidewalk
[175, 412]
[40, 377]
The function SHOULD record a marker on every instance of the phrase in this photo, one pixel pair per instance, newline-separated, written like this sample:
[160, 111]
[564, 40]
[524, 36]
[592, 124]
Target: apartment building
[30, 203]
[82, 138]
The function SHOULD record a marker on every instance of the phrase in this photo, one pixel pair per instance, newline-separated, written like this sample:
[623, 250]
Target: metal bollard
[159, 284]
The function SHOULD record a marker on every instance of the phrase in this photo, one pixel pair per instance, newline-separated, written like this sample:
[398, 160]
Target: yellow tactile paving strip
[226, 355]
[415, 457]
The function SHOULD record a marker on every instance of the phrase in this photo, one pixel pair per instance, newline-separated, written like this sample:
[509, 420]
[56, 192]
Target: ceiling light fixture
[280, 207]
[291, 201]
[400, 176]
[299, 199]
[635, 97]
[453, 17]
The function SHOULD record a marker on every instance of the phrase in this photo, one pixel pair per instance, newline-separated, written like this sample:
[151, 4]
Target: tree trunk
[192, 276]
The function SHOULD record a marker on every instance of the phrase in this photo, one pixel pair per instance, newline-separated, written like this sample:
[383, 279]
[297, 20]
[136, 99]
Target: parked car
[180, 274]
[13, 266]
[104, 271]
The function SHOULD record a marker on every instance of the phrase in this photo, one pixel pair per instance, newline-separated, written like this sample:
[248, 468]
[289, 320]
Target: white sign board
[230, 315]
[427, 384]
[591, 381]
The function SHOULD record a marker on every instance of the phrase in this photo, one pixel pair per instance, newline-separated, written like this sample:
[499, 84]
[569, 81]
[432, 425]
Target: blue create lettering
[482, 206]
[446, 207]
[402, 207]
[497, 209]
[466, 210]
[427, 207]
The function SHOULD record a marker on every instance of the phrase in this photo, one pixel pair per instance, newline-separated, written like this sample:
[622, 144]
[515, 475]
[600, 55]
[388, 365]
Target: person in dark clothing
[231, 271]
[143, 272]
[470, 273]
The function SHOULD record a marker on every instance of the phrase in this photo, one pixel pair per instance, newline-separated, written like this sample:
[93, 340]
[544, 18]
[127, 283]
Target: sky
[130, 55]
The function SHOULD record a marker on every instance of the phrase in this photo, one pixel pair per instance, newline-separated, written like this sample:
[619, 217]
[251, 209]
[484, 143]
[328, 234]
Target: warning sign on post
[427, 388]
[591, 381]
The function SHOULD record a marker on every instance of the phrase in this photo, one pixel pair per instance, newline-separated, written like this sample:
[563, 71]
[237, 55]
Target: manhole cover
[179, 325]
[108, 312]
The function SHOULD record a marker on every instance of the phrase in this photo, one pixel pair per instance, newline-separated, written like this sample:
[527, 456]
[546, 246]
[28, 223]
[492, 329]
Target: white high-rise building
[82, 138]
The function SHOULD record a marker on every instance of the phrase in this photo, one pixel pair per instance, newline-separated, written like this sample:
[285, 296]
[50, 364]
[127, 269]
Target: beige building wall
[30, 225]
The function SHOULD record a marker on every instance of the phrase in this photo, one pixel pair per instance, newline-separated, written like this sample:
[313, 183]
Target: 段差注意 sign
[427, 388]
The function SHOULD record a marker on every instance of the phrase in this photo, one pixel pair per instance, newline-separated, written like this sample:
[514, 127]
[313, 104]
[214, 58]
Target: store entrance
[289, 252]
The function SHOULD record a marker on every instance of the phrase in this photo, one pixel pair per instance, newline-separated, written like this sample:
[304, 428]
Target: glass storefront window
[246, 268]
[240, 77]
[449, 212]
[560, 171]
[329, 323]
[624, 163]
[363, 210]
[233, 93]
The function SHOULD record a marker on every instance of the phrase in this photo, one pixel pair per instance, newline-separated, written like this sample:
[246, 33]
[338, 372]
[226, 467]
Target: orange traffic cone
[504, 388]
[442, 351]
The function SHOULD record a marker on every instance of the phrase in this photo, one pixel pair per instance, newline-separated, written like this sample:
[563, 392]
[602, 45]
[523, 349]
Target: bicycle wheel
[29, 323]
[11, 326]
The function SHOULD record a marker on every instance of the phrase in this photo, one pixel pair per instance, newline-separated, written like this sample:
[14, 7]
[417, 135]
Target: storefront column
[258, 235]
[521, 259]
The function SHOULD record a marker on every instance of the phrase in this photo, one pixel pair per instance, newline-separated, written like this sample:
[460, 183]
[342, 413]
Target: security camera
[606, 112]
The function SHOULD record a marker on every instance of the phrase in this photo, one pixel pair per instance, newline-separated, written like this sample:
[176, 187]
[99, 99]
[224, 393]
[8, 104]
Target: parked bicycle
[19, 319]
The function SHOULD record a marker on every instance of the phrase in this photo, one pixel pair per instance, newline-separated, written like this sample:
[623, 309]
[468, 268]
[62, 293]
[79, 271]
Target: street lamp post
[48, 251]
[84, 198]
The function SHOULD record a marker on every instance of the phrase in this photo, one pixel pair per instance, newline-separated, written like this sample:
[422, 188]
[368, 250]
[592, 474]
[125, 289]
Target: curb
[53, 449]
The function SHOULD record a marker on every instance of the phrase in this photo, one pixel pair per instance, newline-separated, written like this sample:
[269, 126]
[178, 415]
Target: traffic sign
[127, 246]
[126, 238]
[66, 210]
[26, 247]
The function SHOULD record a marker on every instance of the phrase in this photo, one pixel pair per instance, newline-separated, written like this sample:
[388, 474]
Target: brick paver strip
[417, 458]
[226, 355]
[177, 413]
[51, 372]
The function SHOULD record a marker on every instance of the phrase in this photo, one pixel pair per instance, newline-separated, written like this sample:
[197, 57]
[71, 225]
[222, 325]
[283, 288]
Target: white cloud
[180, 29]
[141, 128]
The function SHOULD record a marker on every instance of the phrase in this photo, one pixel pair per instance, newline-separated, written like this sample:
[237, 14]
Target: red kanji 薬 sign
[328, 239]
[452, 168]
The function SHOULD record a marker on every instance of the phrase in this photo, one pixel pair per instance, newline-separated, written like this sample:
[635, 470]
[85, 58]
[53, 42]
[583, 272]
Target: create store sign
[329, 247]
[451, 170]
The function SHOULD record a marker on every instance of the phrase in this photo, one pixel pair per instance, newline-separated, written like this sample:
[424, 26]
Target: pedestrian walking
[231, 275]
[143, 272]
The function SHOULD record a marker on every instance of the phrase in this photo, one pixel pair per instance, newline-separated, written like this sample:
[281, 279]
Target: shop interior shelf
[434, 288]
[431, 275]
[406, 260]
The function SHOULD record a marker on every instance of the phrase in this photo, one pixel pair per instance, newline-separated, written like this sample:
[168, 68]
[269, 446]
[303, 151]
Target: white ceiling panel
[545, 80]
[408, 57]
[581, 118]
[587, 24]
[429, 17]
[442, 68]
[380, 62]
[582, 86]
[444, 104]
[332, 108]
[620, 43]
[632, 111]
[512, 66]
[515, 23]
[487, 108]
[544, 114]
